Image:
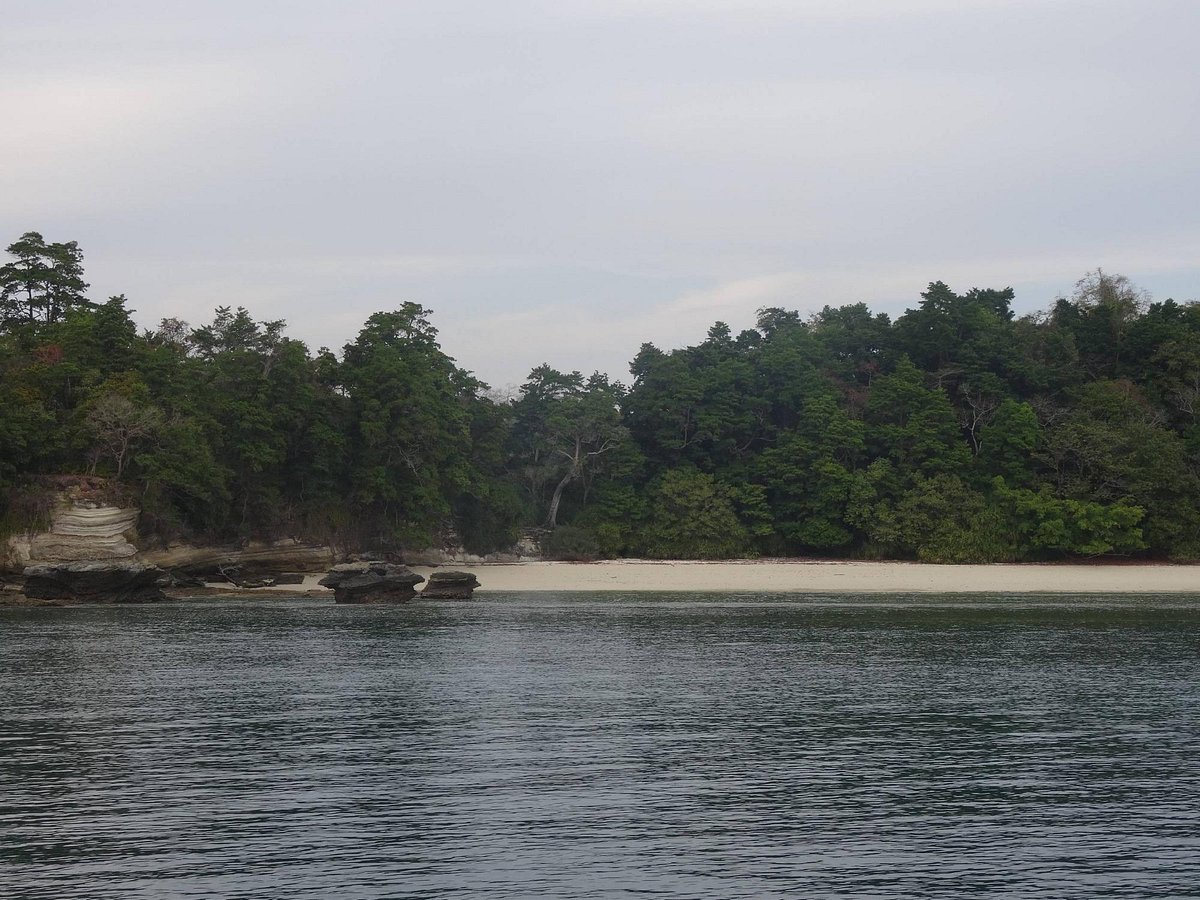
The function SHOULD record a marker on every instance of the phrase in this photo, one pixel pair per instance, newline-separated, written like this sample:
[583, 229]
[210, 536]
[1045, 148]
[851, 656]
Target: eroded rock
[94, 582]
[371, 582]
[450, 586]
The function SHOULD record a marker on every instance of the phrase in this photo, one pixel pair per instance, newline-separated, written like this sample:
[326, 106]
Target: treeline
[957, 432]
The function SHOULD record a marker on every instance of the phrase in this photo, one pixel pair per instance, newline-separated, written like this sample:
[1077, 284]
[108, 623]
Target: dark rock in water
[371, 582]
[94, 582]
[450, 586]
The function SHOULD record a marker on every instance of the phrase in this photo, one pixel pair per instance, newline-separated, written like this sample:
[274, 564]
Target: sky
[561, 181]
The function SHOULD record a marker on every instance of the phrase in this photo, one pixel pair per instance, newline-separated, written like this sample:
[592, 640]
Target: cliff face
[89, 522]
[79, 530]
[93, 532]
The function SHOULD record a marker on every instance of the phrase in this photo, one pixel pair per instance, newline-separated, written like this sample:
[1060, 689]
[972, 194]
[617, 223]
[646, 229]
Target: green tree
[1009, 442]
[410, 457]
[692, 517]
[1047, 525]
[912, 426]
[565, 427]
[1110, 447]
[809, 477]
[43, 283]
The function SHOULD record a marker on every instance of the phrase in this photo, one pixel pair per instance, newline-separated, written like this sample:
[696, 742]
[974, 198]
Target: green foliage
[808, 477]
[409, 403]
[940, 519]
[1109, 447]
[570, 543]
[914, 427]
[1009, 442]
[185, 491]
[24, 423]
[957, 433]
[692, 516]
[566, 432]
[42, 283]
[489, 520]
[1047, 525]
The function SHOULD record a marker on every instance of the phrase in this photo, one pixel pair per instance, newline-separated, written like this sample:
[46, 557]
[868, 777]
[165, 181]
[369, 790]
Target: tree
[912, 425]
[692, 517]
[941, 519]
[855, 340]
[809, 476]
[410, 457]
[43, 283]
[118, 426]
[1101, 313]
[1049, 525]
[1112, 447]
[1009, 441]
[564, 426]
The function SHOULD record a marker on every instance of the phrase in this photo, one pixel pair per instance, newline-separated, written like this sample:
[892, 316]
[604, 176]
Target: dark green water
[603, 746]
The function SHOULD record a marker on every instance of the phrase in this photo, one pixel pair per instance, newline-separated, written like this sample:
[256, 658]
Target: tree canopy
[960, 431]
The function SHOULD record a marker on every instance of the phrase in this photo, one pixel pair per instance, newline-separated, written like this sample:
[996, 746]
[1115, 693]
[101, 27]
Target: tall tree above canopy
[564, 426]
[43, 283]
[410, 405]
[1102, 312]
[959, 331]
[855, 340]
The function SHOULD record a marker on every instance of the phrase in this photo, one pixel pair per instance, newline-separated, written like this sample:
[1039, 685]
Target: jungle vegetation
[960, 431]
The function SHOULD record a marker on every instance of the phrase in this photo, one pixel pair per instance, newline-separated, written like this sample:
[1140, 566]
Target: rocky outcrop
[450, 586]
[371, 582]
[94, 582]
[83, 525]
[252, 561]
[86, 532]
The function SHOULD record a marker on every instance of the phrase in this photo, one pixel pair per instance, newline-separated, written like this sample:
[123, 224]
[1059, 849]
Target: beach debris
[371, 582]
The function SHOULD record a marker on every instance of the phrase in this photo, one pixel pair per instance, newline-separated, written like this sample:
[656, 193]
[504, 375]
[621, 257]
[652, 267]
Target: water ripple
[578, 746]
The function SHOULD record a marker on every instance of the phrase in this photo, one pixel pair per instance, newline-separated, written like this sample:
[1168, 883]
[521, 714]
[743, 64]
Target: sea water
[603, 745]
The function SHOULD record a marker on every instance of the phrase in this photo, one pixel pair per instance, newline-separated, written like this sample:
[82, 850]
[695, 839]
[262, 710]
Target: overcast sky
[562, 180]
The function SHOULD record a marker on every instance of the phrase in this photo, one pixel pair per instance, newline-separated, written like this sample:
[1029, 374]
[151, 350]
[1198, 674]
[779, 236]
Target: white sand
[804, 575]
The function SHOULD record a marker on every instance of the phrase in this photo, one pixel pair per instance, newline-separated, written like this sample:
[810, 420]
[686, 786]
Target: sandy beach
[817, 576]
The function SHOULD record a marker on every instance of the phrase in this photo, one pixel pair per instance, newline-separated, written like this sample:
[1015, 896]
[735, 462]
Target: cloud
[564, 180]
[96, 144]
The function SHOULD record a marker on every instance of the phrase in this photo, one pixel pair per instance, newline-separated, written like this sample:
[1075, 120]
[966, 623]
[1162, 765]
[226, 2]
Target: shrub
[571, 544]
[693, 517]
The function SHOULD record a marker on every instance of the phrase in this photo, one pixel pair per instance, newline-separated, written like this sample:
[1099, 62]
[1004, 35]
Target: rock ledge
[450, 586]
[94, 582]
[371, 582]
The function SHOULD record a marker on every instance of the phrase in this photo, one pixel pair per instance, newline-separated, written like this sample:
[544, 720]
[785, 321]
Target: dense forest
[957, 432]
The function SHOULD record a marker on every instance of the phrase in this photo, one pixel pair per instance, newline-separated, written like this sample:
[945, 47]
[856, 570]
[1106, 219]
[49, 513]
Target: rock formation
[450, 586]
[87, 521]
[94, 582]
[371, 582]
[91, 532]
[254, 560]
[86, 555]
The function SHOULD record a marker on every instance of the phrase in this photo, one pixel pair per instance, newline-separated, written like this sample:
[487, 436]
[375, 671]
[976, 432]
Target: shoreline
[801, 576]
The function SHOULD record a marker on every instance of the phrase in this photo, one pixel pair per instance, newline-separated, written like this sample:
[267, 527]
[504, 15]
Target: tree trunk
[573, 471]
[552, 518]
